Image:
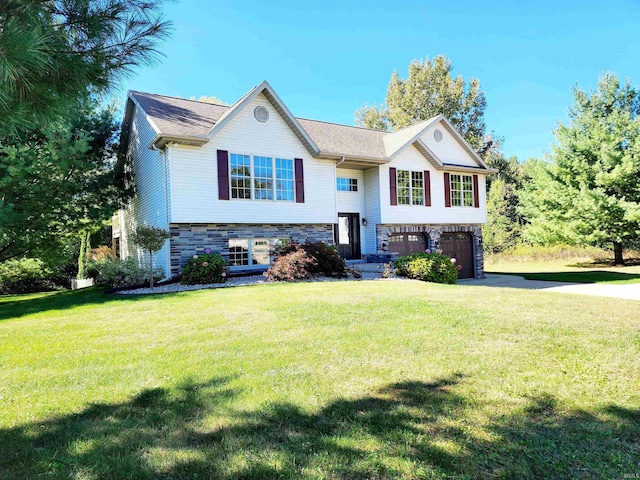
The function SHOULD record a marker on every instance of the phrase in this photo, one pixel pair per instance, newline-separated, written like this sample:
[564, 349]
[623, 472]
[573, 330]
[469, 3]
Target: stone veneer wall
[188, 239]
[434, 232]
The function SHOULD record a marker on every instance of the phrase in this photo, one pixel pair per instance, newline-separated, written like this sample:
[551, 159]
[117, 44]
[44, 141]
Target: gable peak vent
[261, 113]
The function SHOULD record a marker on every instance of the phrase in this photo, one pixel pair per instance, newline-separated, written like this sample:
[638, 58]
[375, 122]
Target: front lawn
[384, 379]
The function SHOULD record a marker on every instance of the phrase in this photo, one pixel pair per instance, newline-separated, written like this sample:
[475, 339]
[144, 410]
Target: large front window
[261, 178]
[410, 187]
[462, 190]
[245, 252]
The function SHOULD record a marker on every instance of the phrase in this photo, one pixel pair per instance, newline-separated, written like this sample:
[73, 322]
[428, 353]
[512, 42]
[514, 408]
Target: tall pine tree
[590, 191]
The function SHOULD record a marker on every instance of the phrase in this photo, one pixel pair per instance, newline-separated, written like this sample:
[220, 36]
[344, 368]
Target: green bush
[295, 265]
[115, 273]
[203, 269]
[428, 267]
[25, 275]
[319, 259]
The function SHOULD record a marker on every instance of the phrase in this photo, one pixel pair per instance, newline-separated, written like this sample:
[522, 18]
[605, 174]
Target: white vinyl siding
[412, 160]
[372, 208]
[151, 172]
[448, 150]
[194, 179]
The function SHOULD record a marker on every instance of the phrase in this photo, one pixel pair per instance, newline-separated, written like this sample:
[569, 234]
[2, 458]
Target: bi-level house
[239, 179]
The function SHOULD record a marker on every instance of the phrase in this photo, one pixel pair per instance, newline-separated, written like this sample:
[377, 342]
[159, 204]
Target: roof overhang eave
[464, 168]
[160, 141]
[353, 158]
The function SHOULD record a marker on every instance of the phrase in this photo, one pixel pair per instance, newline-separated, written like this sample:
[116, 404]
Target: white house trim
[280, 107]
[451, 129]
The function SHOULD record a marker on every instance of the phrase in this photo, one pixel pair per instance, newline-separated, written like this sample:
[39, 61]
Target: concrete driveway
[629, 291]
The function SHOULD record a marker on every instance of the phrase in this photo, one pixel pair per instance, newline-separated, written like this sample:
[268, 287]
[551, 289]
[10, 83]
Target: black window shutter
[447, 190]
[223, 175]
[476, 193]
[299, 175]
[393, 189]
[427, 188]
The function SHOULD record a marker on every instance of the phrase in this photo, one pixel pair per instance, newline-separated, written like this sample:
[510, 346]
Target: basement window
[253, 252]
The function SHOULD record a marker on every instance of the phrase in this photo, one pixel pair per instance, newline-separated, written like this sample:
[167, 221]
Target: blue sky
[326, 59]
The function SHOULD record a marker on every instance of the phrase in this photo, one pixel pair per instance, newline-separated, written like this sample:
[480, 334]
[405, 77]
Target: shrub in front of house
[427, 266]
[295, 261]
[329, 261]
[203, 269]
[296, 264]
[116, 273]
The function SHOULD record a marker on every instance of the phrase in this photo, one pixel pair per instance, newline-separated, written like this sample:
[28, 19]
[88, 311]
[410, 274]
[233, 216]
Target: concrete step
[355, 262]
[368, 267]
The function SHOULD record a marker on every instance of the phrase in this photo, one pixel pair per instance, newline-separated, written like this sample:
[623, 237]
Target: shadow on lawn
[592, 276]
[59, 301]
[607, 262]
[409, 429]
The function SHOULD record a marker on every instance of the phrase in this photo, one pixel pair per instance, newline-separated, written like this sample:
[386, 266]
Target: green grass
[568, 270]
[388, 379]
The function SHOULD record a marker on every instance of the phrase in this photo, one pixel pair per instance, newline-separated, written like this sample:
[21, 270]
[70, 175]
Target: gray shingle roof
[177, 117]
[344, 140]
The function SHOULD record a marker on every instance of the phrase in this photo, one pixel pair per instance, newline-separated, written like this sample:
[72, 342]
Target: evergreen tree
[504, 218]
[58, 173]
[589, 193]
[62, 179]
[53, 53]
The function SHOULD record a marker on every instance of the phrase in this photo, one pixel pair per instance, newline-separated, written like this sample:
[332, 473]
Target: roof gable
[444, 122]
[266, 89]
[414, 135]
[400, 139]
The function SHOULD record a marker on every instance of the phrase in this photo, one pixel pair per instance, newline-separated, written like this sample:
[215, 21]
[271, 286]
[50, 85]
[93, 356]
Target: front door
[348, 235]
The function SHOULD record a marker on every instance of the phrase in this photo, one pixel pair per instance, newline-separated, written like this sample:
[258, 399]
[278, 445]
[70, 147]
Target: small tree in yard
[150, 239]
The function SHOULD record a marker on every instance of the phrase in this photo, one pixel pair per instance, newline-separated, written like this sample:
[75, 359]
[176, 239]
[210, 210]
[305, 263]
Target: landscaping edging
[244, 281]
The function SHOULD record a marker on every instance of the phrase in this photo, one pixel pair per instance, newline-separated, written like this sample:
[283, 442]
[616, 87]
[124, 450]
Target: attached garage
[407, 243]
[460, 247]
